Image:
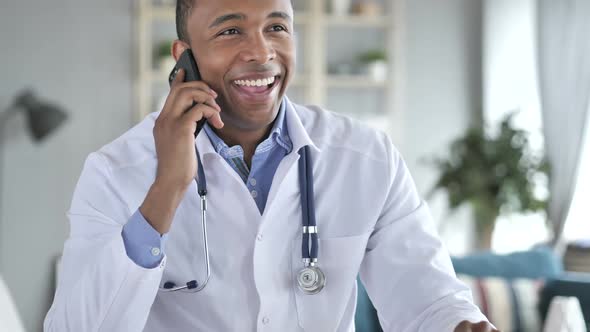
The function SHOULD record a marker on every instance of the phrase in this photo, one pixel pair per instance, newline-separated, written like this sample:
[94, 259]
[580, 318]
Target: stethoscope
[310, 279]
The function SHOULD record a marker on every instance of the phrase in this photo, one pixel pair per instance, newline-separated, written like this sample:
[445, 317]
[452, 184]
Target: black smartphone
[188, 63]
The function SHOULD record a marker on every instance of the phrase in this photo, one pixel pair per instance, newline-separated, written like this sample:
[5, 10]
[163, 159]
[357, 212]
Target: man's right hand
[174, 135]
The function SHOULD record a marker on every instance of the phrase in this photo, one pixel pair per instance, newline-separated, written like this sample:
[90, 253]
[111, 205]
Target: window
[578, 220]
[511, 84]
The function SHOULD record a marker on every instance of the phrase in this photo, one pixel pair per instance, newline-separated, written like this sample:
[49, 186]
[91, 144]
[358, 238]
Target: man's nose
[258, 49]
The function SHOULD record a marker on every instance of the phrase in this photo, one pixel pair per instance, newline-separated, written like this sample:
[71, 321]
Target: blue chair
[538, 263]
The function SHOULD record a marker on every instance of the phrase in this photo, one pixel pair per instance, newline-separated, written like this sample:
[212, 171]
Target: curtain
[564, 79]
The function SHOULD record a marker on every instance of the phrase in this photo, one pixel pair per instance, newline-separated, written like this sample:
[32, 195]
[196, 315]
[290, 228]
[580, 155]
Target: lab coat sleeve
[100, 288]
[406, 270]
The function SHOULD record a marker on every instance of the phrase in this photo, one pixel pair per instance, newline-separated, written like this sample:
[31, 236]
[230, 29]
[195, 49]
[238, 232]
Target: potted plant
[340, 7]
[496, 175]
[163, 56]
[367, 8]
[375, 64]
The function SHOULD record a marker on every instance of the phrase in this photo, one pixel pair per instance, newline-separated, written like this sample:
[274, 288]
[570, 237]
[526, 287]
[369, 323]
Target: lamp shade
[43, 118]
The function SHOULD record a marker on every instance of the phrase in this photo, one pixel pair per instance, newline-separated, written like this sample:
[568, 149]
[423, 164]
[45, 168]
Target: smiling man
[259, 175]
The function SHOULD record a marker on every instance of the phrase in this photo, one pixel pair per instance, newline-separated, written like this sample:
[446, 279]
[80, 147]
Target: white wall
[77, 54]
[443, 95]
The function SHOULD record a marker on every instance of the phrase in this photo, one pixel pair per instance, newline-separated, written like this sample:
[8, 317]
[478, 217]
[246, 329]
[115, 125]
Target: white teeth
[258, 82]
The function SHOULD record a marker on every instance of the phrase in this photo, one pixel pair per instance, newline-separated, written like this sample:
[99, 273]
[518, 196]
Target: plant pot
[377, 71]
[484, 234]
[340, 7]
[367, 8]
[485, 221]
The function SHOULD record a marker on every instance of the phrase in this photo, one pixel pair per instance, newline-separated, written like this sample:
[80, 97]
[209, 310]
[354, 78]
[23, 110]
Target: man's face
[245, 51]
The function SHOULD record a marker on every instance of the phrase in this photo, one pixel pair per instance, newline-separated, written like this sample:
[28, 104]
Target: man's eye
[228, 32]
[277, 28]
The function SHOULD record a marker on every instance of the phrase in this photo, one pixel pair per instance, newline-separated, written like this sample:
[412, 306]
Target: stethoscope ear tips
[192, 284]
[189, 285]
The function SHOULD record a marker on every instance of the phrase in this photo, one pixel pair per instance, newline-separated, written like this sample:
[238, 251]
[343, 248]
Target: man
[135, 223]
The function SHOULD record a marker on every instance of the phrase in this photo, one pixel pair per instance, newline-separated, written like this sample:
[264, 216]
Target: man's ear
[178, 47]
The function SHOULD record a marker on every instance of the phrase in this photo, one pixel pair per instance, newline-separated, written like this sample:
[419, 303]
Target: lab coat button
[259, 237]
[265, 320]
[155, 251]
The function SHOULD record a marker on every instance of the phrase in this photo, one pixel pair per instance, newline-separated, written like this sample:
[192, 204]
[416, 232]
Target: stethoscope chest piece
[311, 280]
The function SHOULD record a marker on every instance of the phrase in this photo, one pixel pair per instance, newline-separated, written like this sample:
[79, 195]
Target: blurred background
[487, 100]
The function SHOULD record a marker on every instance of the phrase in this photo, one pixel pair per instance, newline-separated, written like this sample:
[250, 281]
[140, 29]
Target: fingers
[179, 78]
[189, 102]
[183, 95]
[202, 110]
[178, 85]
[186, 98]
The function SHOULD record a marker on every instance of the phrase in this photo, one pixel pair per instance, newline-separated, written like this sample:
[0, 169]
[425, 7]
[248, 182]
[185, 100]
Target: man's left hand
[466, 326]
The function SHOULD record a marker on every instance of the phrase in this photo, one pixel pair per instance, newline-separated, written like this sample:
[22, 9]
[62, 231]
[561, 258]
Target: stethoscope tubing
[193, 286]
[309, 253]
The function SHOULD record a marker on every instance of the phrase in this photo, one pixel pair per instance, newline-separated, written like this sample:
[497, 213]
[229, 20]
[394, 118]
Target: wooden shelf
[377, 121]
[164, 13]
[300, 80]
[301, 18]
[313, 23]
[158, 76]
[168, 13]
[359, 21]
[354, 81]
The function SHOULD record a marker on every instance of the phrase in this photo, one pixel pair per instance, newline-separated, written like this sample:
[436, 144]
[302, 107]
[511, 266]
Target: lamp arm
[4, 116]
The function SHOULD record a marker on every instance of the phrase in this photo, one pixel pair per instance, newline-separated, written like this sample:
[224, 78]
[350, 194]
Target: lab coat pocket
[340, 259]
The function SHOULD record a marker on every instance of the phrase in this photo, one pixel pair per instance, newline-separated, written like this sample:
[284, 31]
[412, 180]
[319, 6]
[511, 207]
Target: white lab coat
[370, 220]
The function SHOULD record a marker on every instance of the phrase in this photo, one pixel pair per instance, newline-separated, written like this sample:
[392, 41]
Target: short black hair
[183, 11]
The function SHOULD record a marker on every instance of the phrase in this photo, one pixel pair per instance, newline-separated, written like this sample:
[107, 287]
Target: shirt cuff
[144, 245]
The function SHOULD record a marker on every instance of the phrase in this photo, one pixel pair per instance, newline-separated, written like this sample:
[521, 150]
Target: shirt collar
[279, 135]
[280, 131]
[290, 130]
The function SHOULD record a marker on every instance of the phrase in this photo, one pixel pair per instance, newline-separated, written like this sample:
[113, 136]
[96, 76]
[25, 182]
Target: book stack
[577, 256]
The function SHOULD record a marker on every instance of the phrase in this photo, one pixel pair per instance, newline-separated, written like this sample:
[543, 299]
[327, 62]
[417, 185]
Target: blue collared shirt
[143, 243]
[266, 159]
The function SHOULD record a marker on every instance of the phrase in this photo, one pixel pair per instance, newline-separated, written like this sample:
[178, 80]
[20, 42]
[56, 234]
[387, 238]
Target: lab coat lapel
[297, 132]
[285, 184]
